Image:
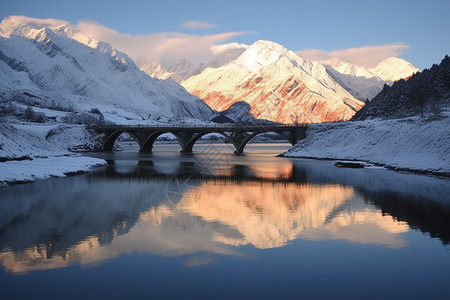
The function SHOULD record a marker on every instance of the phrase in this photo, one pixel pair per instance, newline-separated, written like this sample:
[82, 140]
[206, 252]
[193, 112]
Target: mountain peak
[263, 53]
[393, 69]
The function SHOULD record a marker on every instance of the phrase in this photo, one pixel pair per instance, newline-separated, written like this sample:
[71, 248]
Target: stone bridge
[188, 135]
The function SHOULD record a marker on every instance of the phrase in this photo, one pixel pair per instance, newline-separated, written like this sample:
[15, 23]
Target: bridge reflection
[149, 170]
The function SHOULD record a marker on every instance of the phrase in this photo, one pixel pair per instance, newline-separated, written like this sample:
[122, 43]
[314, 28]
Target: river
[214, 225]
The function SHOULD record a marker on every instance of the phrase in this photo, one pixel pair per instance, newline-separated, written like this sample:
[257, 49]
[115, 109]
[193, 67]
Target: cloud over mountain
[142, 48]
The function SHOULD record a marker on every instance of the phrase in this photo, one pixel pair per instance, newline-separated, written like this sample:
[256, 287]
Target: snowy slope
[393, 69]
[182, 69]
[277, 84]
[409, 144]
[179, 69]
[365, 83]
[155, 70]
[357, 81]
[68, 66]
[30, 156]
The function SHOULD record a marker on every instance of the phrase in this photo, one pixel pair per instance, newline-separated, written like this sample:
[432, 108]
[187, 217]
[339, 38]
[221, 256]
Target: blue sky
[418, 31]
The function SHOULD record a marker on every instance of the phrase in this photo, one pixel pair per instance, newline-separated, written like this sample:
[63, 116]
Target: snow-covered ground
[415, 144]
[28, 152]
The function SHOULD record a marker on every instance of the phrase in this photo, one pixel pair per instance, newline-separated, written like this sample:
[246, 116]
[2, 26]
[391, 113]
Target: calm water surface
[214, 225]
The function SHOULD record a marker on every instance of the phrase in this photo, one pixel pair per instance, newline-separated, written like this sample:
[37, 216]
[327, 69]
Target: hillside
[64, 69]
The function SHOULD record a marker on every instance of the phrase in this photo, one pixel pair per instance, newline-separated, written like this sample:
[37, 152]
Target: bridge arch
[241, 145]
[147, 145]
[196, 136]
[112, 138]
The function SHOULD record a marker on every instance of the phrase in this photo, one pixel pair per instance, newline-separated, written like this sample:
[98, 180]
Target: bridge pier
[184, 139]
[240, 139]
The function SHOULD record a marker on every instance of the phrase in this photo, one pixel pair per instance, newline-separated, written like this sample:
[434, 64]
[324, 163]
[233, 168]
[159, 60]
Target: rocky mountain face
[62, 68]
[427, 91]
[277, 84]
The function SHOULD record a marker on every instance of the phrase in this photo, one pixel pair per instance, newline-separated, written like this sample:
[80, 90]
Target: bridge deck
[227, 127]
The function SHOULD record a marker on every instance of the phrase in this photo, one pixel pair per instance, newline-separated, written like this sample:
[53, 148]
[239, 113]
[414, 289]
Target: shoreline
[397, 169]
[27, 171]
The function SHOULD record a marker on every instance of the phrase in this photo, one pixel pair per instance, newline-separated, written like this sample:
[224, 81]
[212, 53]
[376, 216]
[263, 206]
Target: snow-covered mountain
[425, 92]
[365, 83]
[358, 81]
[62, 66]
[277, 84]
[393, 69]
[155, 70]
[182, 69]
[178, 69]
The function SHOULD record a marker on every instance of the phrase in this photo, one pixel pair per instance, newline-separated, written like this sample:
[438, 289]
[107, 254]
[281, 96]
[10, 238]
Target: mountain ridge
[361, 82]
[278, 85]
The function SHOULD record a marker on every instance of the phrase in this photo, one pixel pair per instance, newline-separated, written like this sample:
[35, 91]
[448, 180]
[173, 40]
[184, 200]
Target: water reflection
[174, 208]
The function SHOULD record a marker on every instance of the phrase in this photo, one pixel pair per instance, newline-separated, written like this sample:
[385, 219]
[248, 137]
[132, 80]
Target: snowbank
[42, 168]
[28, 152]
[415, 144]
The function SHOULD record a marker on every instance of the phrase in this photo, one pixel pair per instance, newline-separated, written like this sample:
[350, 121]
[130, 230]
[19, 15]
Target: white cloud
[198, 25]
[219, 49]
[9, 23]
[367, 56]
[225, 53]
[158, 46]
[142, 48]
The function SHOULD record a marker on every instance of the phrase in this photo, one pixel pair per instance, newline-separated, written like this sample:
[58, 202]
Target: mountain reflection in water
[177, 208]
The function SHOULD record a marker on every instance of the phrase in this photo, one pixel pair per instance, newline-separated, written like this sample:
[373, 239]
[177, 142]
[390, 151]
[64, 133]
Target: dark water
[213, 225]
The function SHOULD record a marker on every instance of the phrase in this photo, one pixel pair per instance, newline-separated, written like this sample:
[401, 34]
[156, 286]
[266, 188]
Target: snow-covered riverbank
[28, 152]
[416, 144]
